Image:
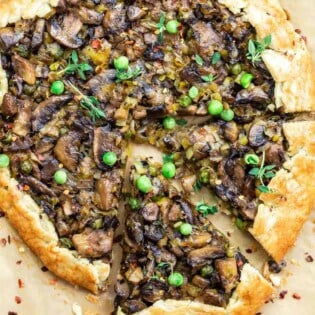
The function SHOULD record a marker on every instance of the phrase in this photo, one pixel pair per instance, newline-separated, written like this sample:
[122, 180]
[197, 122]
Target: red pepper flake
[19, 262]
[296, 296]
[20, 283]
[282, 294]
[18, 300]
[309, 258]
[96, 43]
[249, 250]
[44, 269]
[3, 242]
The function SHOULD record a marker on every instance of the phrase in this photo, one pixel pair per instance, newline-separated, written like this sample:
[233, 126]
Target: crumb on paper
[3, 242]
[18, 300]
[92, 298]
[21, 249]
[18, 262]
[282, 294]
[296, 296]
[309, 258]
[44, 269]
[276, 280]
[20, 283]
[53, 281]
[76, 309]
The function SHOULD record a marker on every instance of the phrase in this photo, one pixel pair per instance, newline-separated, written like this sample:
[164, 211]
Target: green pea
[60, 177]
[206, 271]
[185, 229]
[193, 92]
[57, 87]
[4, 160]
[215, 107]
[168, 170]
[144, 184]
[169, 123]
[175, 279]
[171, 26]
[184, 100]
[109, 158]
[134, 203]
[121, 63]
[227, 115]
[246, 80]
[251, 159]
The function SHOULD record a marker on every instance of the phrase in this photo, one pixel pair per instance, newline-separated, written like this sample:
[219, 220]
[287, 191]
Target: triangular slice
[175, 260]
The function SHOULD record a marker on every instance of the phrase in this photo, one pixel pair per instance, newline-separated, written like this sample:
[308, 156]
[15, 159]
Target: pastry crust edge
[39, 234]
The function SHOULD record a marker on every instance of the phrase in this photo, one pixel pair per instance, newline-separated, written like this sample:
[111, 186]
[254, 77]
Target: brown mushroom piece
[106, 187]
[227, 269]
[46, 109]
[201, 256]
[122, 289]
[206, 39]
[114, 20]
[236, 172]
[9, 37]
[64, 29]
[37, 186]
[254, 95]
[275, 155]
[22, 123]
[38, 34]
[256, 135]
[49, 167]
[133, 306]
[25, 69]
[93, 244]
[212, 297]
[134, 224]
[89, 16]
[153, 290]
[9, 105]
[230, 131]
[105, 140]
[150, 212]
[67, 150]
[187, 211]
[134, 13]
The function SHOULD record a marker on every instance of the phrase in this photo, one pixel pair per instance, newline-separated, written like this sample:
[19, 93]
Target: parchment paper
[41, 293]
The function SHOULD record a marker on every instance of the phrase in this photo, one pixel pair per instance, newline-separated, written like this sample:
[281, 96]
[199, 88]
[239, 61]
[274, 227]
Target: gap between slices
[222, 80]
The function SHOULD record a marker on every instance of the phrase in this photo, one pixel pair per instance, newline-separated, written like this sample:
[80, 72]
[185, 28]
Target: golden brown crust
[250, 294]
[39, 234]
[288, 60]
[284, 211]
[13, 10]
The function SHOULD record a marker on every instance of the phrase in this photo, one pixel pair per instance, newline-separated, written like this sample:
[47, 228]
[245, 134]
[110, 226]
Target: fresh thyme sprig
[208, 78]
[74, 65]
[161, 27]
[256, 48]
[263, 172]
[206, 209]
[90, 103]
[122, 75]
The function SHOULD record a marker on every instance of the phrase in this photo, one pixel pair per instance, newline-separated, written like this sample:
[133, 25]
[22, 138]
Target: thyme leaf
[256, 48]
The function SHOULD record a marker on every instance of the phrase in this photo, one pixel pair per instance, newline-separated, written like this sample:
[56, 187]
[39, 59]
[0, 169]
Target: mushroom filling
[171, 250]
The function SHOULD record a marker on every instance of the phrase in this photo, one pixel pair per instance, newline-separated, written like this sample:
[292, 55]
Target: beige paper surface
[42, 294]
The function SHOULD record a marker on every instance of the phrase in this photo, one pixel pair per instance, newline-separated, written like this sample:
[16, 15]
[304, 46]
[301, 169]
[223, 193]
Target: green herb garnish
[206, 209]
[240, 224]
[74, 66]
[181, 122]
[161, 27]
[199, 60]
[168, 158]
[127, 74]
[256, 48]
[263, 172]
[162, 265]
[216, 58]
[208, 78]
[198, 185]
[90, 103]
[66, 242]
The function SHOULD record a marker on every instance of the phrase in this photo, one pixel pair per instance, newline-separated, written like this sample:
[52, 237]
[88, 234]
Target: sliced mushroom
[8, 37]
[256, 135]
[9, 105]
[188, 183]
[93, 244]
[22, 123]
[105, 140]
[38, 35]
[175, 213]
[134, 274]
[134, 13]
[200, 282]
[231, 131]
[187, 211]
[153, 232]
[199, 257]
[213, 297]
[37, 186]
[134, 224]
[89, 16]
[64, 29]
[115, 19]
[122, 289]
[256, 95]
[49, 167]
[67, 150]
[45, 110]
[150, 212]
[133, 306]
[106, 188]
[275, 155]
[25, 69]
[228, 272]
[153, 290]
